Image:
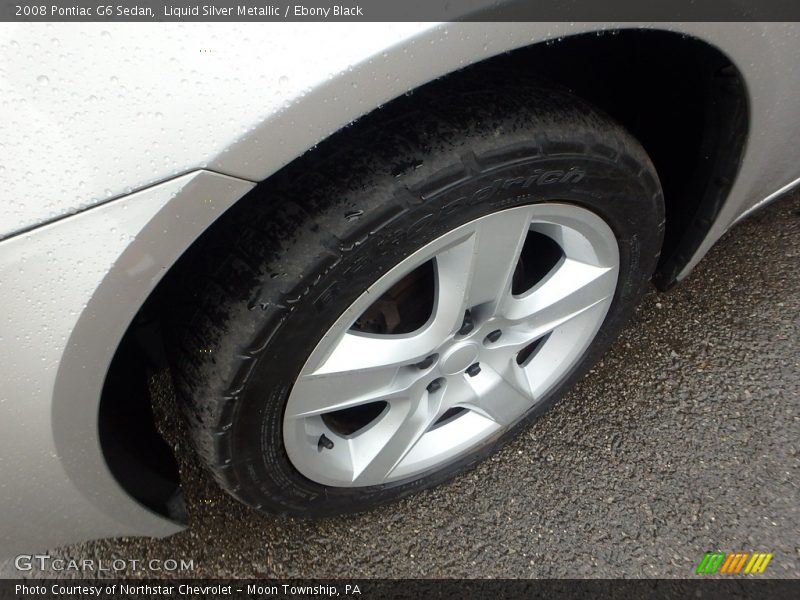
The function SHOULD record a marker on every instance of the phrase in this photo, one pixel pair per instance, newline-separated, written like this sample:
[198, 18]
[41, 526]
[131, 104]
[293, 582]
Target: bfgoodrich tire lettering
[280, 269]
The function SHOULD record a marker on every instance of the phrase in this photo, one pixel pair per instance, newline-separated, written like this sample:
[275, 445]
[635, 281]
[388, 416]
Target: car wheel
[394, 306]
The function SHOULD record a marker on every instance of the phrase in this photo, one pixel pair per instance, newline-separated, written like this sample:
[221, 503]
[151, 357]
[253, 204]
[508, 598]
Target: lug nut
[324, 442]
[424, 364]
[473, 369]
[434, 385]
[467, 324]
[493, 336]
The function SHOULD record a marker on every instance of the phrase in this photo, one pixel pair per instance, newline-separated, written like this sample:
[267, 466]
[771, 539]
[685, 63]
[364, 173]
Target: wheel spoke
[560, 350]
[494, 396]
[318, 394]
[478, 270]
[570, 290]
[378, 451]
[361, 351]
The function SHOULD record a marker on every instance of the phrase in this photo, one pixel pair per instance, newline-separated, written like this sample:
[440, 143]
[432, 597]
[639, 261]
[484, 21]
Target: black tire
[273, 275]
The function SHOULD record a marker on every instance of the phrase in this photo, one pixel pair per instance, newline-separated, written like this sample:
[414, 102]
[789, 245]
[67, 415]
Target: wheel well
[680, 97]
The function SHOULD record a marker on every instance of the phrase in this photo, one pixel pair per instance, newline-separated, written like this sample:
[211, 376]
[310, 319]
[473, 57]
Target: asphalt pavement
[684, 439]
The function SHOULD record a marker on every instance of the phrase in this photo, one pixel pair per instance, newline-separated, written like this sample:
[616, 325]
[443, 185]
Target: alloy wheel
[452, 346]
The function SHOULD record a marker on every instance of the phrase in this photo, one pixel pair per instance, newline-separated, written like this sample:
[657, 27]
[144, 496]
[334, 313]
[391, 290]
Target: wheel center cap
[457, 358]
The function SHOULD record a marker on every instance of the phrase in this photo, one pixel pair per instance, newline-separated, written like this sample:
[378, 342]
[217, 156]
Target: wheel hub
[458, 357]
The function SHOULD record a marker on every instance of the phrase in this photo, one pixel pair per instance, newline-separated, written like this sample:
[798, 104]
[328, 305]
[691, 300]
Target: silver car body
[121, 143]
